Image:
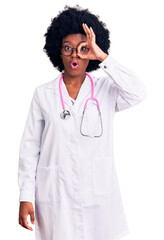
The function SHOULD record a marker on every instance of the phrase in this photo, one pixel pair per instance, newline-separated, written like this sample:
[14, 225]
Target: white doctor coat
[72, 178]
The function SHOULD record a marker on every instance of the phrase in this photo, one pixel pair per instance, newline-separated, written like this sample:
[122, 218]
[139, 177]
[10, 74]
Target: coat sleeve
[129, 89]
[29, 150]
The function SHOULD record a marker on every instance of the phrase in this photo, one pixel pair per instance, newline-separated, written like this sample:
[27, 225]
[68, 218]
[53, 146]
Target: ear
[61, 56]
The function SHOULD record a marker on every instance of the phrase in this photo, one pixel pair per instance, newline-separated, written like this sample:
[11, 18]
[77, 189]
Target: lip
[73, 66]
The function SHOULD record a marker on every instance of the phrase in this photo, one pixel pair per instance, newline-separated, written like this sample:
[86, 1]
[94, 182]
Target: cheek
[65, 62]
[85, 63]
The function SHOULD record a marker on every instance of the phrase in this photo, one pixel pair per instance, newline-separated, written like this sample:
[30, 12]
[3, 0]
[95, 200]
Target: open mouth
[74, 64]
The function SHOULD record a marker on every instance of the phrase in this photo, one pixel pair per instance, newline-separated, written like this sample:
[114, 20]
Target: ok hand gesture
[94, 53]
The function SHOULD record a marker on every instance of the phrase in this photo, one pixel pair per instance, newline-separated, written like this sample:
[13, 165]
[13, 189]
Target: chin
[74, 72]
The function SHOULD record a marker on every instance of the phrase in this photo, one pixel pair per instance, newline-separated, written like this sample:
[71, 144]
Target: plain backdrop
[137, 41]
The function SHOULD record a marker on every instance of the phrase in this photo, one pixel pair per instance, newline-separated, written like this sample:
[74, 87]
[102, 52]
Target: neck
[70, 80]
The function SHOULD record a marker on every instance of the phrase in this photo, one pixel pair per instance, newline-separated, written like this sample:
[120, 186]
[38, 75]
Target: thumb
[32, 217]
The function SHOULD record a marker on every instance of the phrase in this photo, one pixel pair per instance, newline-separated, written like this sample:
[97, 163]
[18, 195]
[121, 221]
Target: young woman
[66, 152]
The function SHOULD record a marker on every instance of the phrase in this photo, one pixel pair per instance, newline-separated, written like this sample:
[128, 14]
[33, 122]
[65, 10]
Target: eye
[67, 48]
[83, 49]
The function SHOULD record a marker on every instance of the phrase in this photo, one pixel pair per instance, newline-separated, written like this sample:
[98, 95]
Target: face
[73, 40]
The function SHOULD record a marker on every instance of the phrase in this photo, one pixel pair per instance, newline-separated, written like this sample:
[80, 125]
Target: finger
[25, 223]
[86, 29]
[82, 44]
[93, 34]
[20, 222]
[83, 56]
[32, 217]
[92, 31]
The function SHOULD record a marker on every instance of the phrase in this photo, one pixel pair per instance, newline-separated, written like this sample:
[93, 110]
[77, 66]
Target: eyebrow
[71, 42]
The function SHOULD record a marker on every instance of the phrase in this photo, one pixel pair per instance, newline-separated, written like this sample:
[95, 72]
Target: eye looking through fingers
[83, 49]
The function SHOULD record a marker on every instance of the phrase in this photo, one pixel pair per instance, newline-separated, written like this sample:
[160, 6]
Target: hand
[94, 53]
[25, 209]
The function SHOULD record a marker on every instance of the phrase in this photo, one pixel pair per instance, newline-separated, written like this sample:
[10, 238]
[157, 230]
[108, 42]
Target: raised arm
[130, 90]
[126, 84]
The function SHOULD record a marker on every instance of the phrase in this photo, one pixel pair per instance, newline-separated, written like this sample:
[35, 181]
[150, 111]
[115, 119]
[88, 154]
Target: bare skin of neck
[71, 81]
[73, 84]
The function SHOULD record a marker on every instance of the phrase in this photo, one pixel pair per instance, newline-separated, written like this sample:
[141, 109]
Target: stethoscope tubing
[92, 93]
[65, 114]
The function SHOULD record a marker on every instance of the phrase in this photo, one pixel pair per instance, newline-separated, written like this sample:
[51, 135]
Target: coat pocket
[102, 175]
[47, 185]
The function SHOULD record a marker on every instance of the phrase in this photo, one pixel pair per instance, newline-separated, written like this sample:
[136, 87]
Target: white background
[137, 41]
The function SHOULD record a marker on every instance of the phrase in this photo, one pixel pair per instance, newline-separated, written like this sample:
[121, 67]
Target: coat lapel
[83, 94]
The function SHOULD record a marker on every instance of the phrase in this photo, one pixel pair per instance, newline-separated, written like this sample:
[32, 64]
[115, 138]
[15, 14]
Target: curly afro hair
[69, 21]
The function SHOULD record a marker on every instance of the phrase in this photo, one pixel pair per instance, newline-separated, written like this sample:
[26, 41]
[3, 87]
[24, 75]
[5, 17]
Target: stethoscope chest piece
[65, 114]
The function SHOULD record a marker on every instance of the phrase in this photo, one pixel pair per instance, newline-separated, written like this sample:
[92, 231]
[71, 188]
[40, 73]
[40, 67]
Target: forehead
[74, 38]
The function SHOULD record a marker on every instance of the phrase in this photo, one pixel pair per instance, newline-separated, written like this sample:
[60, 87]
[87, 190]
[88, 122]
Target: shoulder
[41, 90]
[48, 85]
[104, 84]
[101, 81]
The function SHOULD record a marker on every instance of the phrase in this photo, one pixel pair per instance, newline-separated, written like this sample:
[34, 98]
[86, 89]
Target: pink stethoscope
[65, 114]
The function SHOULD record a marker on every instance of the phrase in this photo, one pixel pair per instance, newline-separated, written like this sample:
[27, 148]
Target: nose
[74, 53]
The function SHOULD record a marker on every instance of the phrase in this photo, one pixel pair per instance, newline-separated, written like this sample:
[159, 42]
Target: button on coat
[72, 178]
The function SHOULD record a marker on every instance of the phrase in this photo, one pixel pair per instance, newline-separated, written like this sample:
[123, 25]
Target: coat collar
[83, 94]
[55, 83]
